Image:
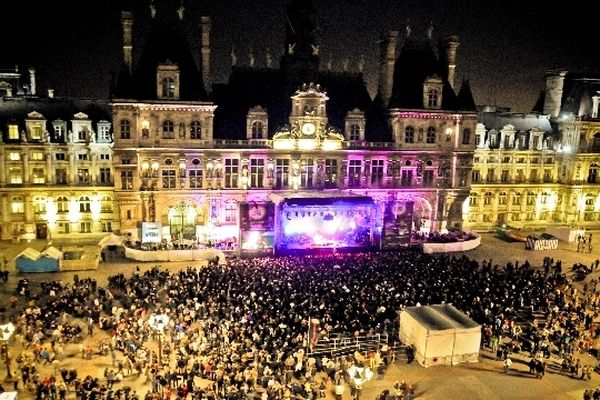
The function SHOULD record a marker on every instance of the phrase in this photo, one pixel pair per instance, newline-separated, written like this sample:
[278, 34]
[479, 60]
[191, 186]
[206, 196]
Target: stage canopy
[440, 334]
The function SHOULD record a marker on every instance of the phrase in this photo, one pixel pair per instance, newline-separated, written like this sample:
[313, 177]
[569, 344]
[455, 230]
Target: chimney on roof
[555, 80]
[447, 50]
[387, 52]
[205, 25]
[32, 88]
[127, 25]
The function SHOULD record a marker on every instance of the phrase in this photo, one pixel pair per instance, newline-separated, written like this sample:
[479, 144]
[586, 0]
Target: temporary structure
[110, 240]
[31, 260]
[440, 334]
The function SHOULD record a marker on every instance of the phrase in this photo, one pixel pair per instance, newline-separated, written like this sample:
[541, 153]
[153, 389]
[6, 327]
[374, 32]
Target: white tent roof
[111, 240]
[30, 253]
[52, 252]
[441, 317]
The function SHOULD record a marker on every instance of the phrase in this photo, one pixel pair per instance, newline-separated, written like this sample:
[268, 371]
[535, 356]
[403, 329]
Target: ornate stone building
[56, 167]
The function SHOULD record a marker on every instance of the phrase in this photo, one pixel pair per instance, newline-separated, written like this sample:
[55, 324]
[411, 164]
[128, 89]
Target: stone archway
[182, 218]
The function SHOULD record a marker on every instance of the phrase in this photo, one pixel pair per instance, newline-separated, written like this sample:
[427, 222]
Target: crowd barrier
[175, 255]
[466, 245]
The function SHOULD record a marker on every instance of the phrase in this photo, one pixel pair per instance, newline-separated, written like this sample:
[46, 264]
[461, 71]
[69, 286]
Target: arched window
[195, 130]
[596, 142]
[409, 134]
[168, 88]
[39, 204]
[430, 135]
[62, 204]
[354, 132]
[125, 129]
[106, 204]
[487, 198]
[473, 199]
[257, 130]
[593, 174]
[466, 138]
[85, 204]
[17, 205]
[432, 98]
[168, 130]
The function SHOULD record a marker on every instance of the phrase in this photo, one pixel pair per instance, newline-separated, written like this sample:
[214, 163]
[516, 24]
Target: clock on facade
[308, 128]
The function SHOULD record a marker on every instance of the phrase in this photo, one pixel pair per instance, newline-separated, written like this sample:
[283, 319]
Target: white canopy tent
[110, 240]
[440, 334]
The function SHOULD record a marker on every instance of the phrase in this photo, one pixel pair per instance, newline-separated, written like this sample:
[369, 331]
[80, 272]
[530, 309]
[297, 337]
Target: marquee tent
[31, 260]
[440, 334]
[110, 240]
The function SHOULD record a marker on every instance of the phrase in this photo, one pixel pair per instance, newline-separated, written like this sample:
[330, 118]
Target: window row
[167, 129]
[62, 204]
[38, 176]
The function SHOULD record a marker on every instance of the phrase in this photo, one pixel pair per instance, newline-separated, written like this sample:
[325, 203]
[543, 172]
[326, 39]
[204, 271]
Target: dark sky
[505, 46]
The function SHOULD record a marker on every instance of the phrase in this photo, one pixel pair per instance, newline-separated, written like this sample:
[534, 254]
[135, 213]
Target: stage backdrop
[397, 224]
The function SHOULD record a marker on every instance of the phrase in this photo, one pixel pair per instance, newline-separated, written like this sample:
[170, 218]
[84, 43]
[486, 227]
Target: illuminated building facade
[56, 167]
[277, 154]
[539, 169]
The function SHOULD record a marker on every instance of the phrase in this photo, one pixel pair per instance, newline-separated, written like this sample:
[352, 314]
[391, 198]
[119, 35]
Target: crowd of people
[244, 327]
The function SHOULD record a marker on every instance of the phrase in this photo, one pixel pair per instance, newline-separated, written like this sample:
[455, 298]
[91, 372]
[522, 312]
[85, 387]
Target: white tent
[440, 334]
[110, 240]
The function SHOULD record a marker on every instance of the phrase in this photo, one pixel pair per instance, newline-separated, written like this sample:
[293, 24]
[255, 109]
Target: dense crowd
[245, 326]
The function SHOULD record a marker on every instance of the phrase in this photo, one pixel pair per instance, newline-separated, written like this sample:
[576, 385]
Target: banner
[151, 232]
[397, 224]
[257, 216]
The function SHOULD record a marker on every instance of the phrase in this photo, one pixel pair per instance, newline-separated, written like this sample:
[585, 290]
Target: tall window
[83, 176]
[331, 171]
[127, 179]
[473, 199]
[38, 176]
[232, 172]
[475, 176]
[432, 98]
[59, 132]
[258, 130]
[195, 130]
[104, 133]
[169, 179]
[168, 88]
[168, 130]
[282, 173]
[257, 172]
[487, 199]
[62, 204]
[17, 205]
[377, 173]
[354, 168]
[61, 176]
[82, 135]
[593, 173]
[39, 204]
[85, 227]
[36, 132]
[428, 178]
[106, 204]
[504, 176]
[407, 177]
[354, 132]
[491, 175]
[125, 129]
[13, 131]
[16, 175]
[104, 176]
[85, 205]
[195, 178]
[231, 212]
[430, 135]
[307, 172]
[409, 134]
[516, 199]
[466, 138]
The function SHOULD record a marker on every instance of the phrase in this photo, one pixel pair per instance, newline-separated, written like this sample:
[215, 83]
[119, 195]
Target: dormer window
[432, 98]
[167, 81]
[354, 132]
[195, 130]
[257, 130]
[168, 88]
[354, 125]
[257, 123]
[432, 93]
[13, 131]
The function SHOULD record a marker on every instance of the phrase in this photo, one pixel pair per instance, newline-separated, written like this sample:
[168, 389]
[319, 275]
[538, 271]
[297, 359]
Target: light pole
[159, 322]
[6, 330]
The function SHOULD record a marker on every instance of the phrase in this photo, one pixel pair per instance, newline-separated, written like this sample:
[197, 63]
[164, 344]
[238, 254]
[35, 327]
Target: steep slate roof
[521, 122]
[416, 62]
[16, 110]
[578, 90]
[166, 43]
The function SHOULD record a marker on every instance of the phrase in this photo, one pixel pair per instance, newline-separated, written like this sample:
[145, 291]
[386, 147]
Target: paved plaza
[482, 380]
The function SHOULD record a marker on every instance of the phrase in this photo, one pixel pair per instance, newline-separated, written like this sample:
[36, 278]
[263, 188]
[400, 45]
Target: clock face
[308, 128]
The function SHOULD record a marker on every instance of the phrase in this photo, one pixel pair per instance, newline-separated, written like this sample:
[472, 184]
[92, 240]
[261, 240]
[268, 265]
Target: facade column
[2, 170]
[25, 168]
[28, 209]
[5, 208]
[71, 170]
[49, 171]
[94, 168]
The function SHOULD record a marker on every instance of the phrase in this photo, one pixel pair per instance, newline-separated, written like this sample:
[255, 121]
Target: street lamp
[159, 323]
[6, 330]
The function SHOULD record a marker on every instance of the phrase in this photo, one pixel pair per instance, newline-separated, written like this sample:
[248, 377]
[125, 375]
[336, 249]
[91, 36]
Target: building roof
[441, 317]
[497, 120]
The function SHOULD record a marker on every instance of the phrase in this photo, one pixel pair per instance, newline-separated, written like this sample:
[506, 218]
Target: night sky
[505, 46]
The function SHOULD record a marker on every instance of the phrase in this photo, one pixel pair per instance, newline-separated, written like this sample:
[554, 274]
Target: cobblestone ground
[482, 380]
